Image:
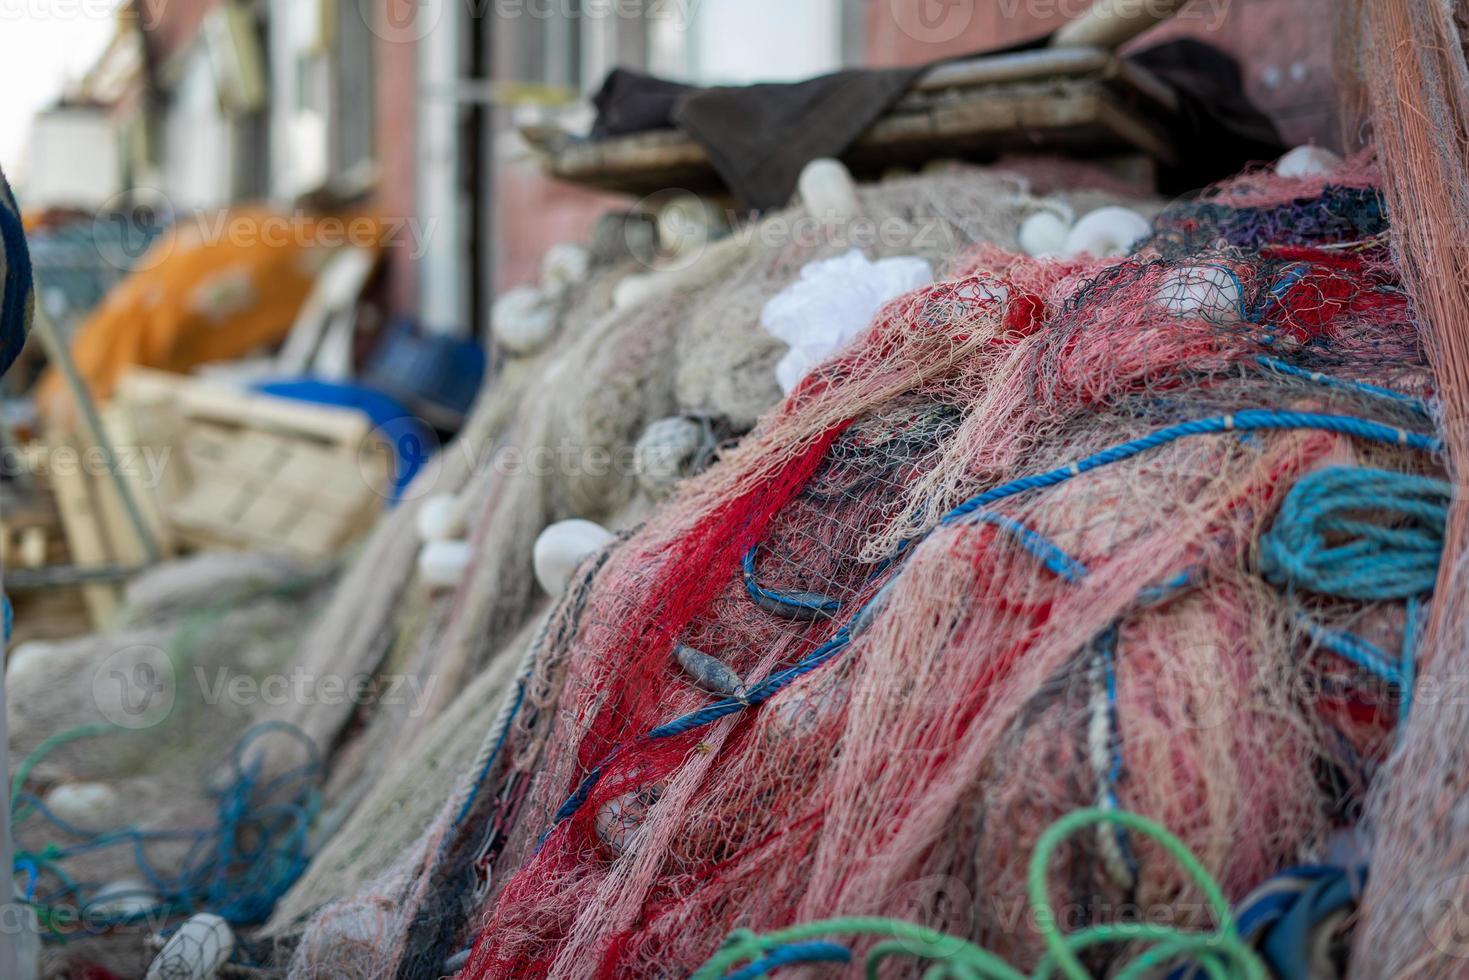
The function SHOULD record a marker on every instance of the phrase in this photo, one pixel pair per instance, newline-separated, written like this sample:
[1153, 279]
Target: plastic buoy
[1207, 292]
[196, 952]
[564, 265]
[440, 518]
[86, 806]
[1107, 232]
[664, 452]
[441, 564]
[561, 547]
[619, 818]
[828, 191]
[1307, 161]
[25, 661]
[523, 320]
[1043, 234]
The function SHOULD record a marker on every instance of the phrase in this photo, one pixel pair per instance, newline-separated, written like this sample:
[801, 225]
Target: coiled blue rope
[1357, 533]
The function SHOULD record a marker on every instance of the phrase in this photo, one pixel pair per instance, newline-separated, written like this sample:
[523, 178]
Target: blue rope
[1244, 421]
[1321, 542]
[792, 605]
[1361, 387]
[239, 868]
[1062, 565]
[1249, 420]
[792, 953]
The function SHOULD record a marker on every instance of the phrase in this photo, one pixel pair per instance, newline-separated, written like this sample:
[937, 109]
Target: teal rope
[1323, 540]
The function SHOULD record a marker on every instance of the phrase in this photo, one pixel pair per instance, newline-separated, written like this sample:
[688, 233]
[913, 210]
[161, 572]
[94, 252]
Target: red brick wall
[397, 193]
[535, 213]
[1283, 45]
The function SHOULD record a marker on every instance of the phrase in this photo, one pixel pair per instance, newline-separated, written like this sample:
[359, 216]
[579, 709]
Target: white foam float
[1043, 234]
[564, 265]
[632, 290]
[1307, 161]
[440, 518]
[201, 946]
[828, 191]
[561, 547]
[664, 451]
[523, 320]
[1107, 233]
[25, 662]
[1207, 292]
[442, 564]
[86, 806]
[619, 818]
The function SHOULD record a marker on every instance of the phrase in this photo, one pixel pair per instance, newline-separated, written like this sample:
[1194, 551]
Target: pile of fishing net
[1142, 536]
[692, 349]
[136, 801]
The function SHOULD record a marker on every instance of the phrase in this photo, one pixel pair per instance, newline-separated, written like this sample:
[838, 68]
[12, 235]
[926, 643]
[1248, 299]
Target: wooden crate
[257, 471]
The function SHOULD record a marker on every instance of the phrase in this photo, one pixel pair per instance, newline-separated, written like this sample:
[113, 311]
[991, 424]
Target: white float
[1043, 234]
[564, 265]
[1107, 233]
[196, 952]
[442, 564]
[523, 320]
[1307, 161]
[664, 451]
[828, 191]
[1207, 292]
[561, 547]
[440, 518]
[87, 806]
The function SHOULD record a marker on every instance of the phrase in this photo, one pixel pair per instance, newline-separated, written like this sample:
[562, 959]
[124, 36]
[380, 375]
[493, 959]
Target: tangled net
[998, 561]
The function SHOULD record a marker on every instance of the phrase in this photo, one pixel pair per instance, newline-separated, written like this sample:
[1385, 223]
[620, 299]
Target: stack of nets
[147, 729]
[695, 349]
[1143, 535]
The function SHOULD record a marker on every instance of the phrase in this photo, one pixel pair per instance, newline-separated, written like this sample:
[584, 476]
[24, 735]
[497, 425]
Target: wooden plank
[86, 538]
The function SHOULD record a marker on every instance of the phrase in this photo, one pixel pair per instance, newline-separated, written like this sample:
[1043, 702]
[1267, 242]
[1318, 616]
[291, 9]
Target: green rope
[1220, 955]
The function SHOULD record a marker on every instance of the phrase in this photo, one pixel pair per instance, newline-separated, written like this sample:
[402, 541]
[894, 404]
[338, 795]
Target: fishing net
[1029, 545]
[695, 350]
[137, 803]
[1409, 60]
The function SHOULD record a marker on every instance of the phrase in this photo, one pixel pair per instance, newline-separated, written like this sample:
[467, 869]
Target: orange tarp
[212, 288]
